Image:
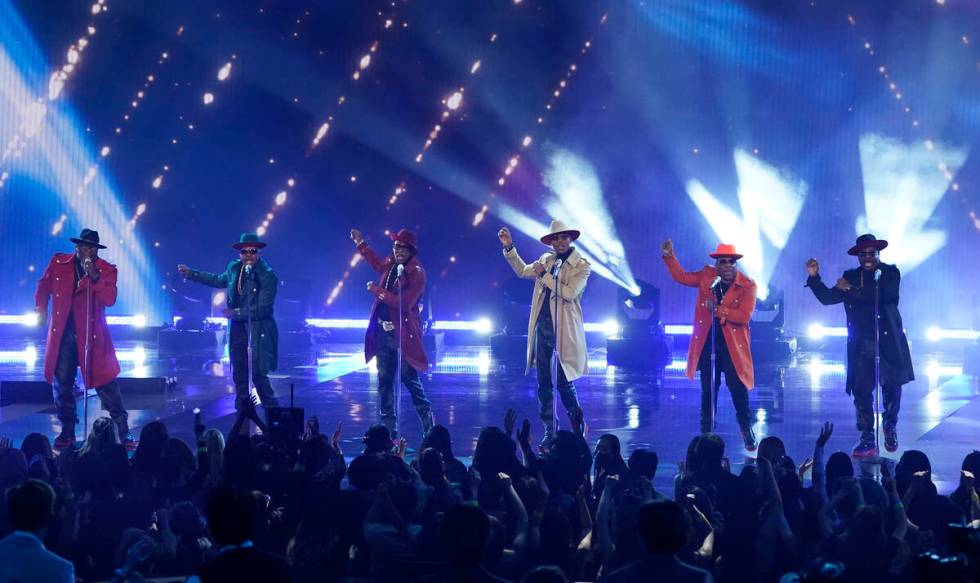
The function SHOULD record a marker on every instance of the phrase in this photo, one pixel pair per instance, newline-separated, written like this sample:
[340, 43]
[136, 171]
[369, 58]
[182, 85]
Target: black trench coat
[859, 306]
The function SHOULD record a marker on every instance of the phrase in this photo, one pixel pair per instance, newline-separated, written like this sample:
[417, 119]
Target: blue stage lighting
[770, 202]
[903, 185]
[56, 171]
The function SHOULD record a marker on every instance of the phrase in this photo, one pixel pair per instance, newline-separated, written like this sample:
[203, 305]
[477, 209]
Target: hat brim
[719, 255]
[89, 243]
[241, 246]
[395, 239]
[570, 232]
[877, 245]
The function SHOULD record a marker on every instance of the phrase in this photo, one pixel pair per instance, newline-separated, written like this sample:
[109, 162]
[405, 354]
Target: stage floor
[940, 410]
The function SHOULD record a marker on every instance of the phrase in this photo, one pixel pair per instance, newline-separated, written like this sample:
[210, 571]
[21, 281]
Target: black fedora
[867, 241]
[88, 237]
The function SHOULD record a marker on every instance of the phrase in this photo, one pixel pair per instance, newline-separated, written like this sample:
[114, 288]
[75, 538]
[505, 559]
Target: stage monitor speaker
[285, 427]
[641, 353]
[144, 385]
[509, 349]
[203, 344]
[433, 343]
[25, 392]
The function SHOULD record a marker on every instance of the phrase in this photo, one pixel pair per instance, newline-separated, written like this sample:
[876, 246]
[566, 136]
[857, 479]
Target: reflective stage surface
[940, 410]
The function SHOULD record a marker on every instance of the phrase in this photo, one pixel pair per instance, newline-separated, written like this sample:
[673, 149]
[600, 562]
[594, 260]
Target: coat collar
[573, 260]
[262, 265]
[66, 258]
[412, 265]
[742, 280]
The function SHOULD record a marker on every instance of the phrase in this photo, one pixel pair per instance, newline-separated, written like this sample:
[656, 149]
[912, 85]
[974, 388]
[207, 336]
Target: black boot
[891, 440]
[866, 447]
[748, 436]
[66, 440]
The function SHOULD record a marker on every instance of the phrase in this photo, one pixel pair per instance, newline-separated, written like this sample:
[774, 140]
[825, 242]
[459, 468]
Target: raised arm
[674, 267]
[374, 260]
[521, 269]
[219, 280]
[825, 295]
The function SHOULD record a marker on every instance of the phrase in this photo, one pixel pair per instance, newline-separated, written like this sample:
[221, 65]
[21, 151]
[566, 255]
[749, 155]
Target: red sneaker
[865, 449]
[64, 441]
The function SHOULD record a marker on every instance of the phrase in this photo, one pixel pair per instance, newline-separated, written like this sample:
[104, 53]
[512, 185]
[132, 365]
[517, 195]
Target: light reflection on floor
[470, 389]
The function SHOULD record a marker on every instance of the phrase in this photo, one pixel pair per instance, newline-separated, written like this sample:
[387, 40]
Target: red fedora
[405, 237]
[725, 250]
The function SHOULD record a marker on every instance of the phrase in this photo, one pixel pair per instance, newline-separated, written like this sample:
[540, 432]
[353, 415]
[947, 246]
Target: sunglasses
[725, 261]
[249, 251]
[867, 253]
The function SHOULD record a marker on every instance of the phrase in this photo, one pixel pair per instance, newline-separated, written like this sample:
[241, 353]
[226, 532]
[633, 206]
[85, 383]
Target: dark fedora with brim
[405, 237]
[88, 237]
[248, 240]
[867, 241]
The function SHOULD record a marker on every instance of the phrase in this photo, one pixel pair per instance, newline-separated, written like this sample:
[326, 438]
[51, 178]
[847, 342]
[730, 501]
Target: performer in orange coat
[726, 298]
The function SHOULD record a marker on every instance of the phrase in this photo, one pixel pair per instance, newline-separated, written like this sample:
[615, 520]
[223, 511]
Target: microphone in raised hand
[400, 270]
[716, 281]
[877, 274]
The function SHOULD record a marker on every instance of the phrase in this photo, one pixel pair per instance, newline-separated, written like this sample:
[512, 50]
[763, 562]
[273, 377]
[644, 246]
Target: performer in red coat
[80, 285]
[401, 275]
[726, 300]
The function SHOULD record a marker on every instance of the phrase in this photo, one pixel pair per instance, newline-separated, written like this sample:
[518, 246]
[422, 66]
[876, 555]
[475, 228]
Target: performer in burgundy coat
[381, 339]
[70, 281]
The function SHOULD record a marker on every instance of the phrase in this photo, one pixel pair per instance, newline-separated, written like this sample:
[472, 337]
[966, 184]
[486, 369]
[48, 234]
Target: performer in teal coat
[250, 286]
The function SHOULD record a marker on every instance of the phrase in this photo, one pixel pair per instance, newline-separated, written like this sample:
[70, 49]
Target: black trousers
[387, 361]
[723, 364]
[238, 351]
[863, 368]
[544, 349]
[65, 371]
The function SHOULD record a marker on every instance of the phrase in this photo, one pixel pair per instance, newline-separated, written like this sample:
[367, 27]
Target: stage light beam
[902, 189]
[770, 202]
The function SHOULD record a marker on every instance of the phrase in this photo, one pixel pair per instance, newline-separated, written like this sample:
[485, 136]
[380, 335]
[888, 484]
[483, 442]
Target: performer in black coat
[856, 289]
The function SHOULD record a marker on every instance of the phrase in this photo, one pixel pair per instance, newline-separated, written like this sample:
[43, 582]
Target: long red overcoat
[734, 313]
[58, 285]
[411, 288]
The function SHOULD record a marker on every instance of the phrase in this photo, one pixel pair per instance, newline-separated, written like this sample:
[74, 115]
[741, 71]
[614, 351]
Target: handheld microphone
[400, 270]
[715, 283]
[877, 274]
[556, 268]
[248, 269]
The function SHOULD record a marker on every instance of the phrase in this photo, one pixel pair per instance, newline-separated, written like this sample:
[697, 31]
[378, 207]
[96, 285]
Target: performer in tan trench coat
[573, 274]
